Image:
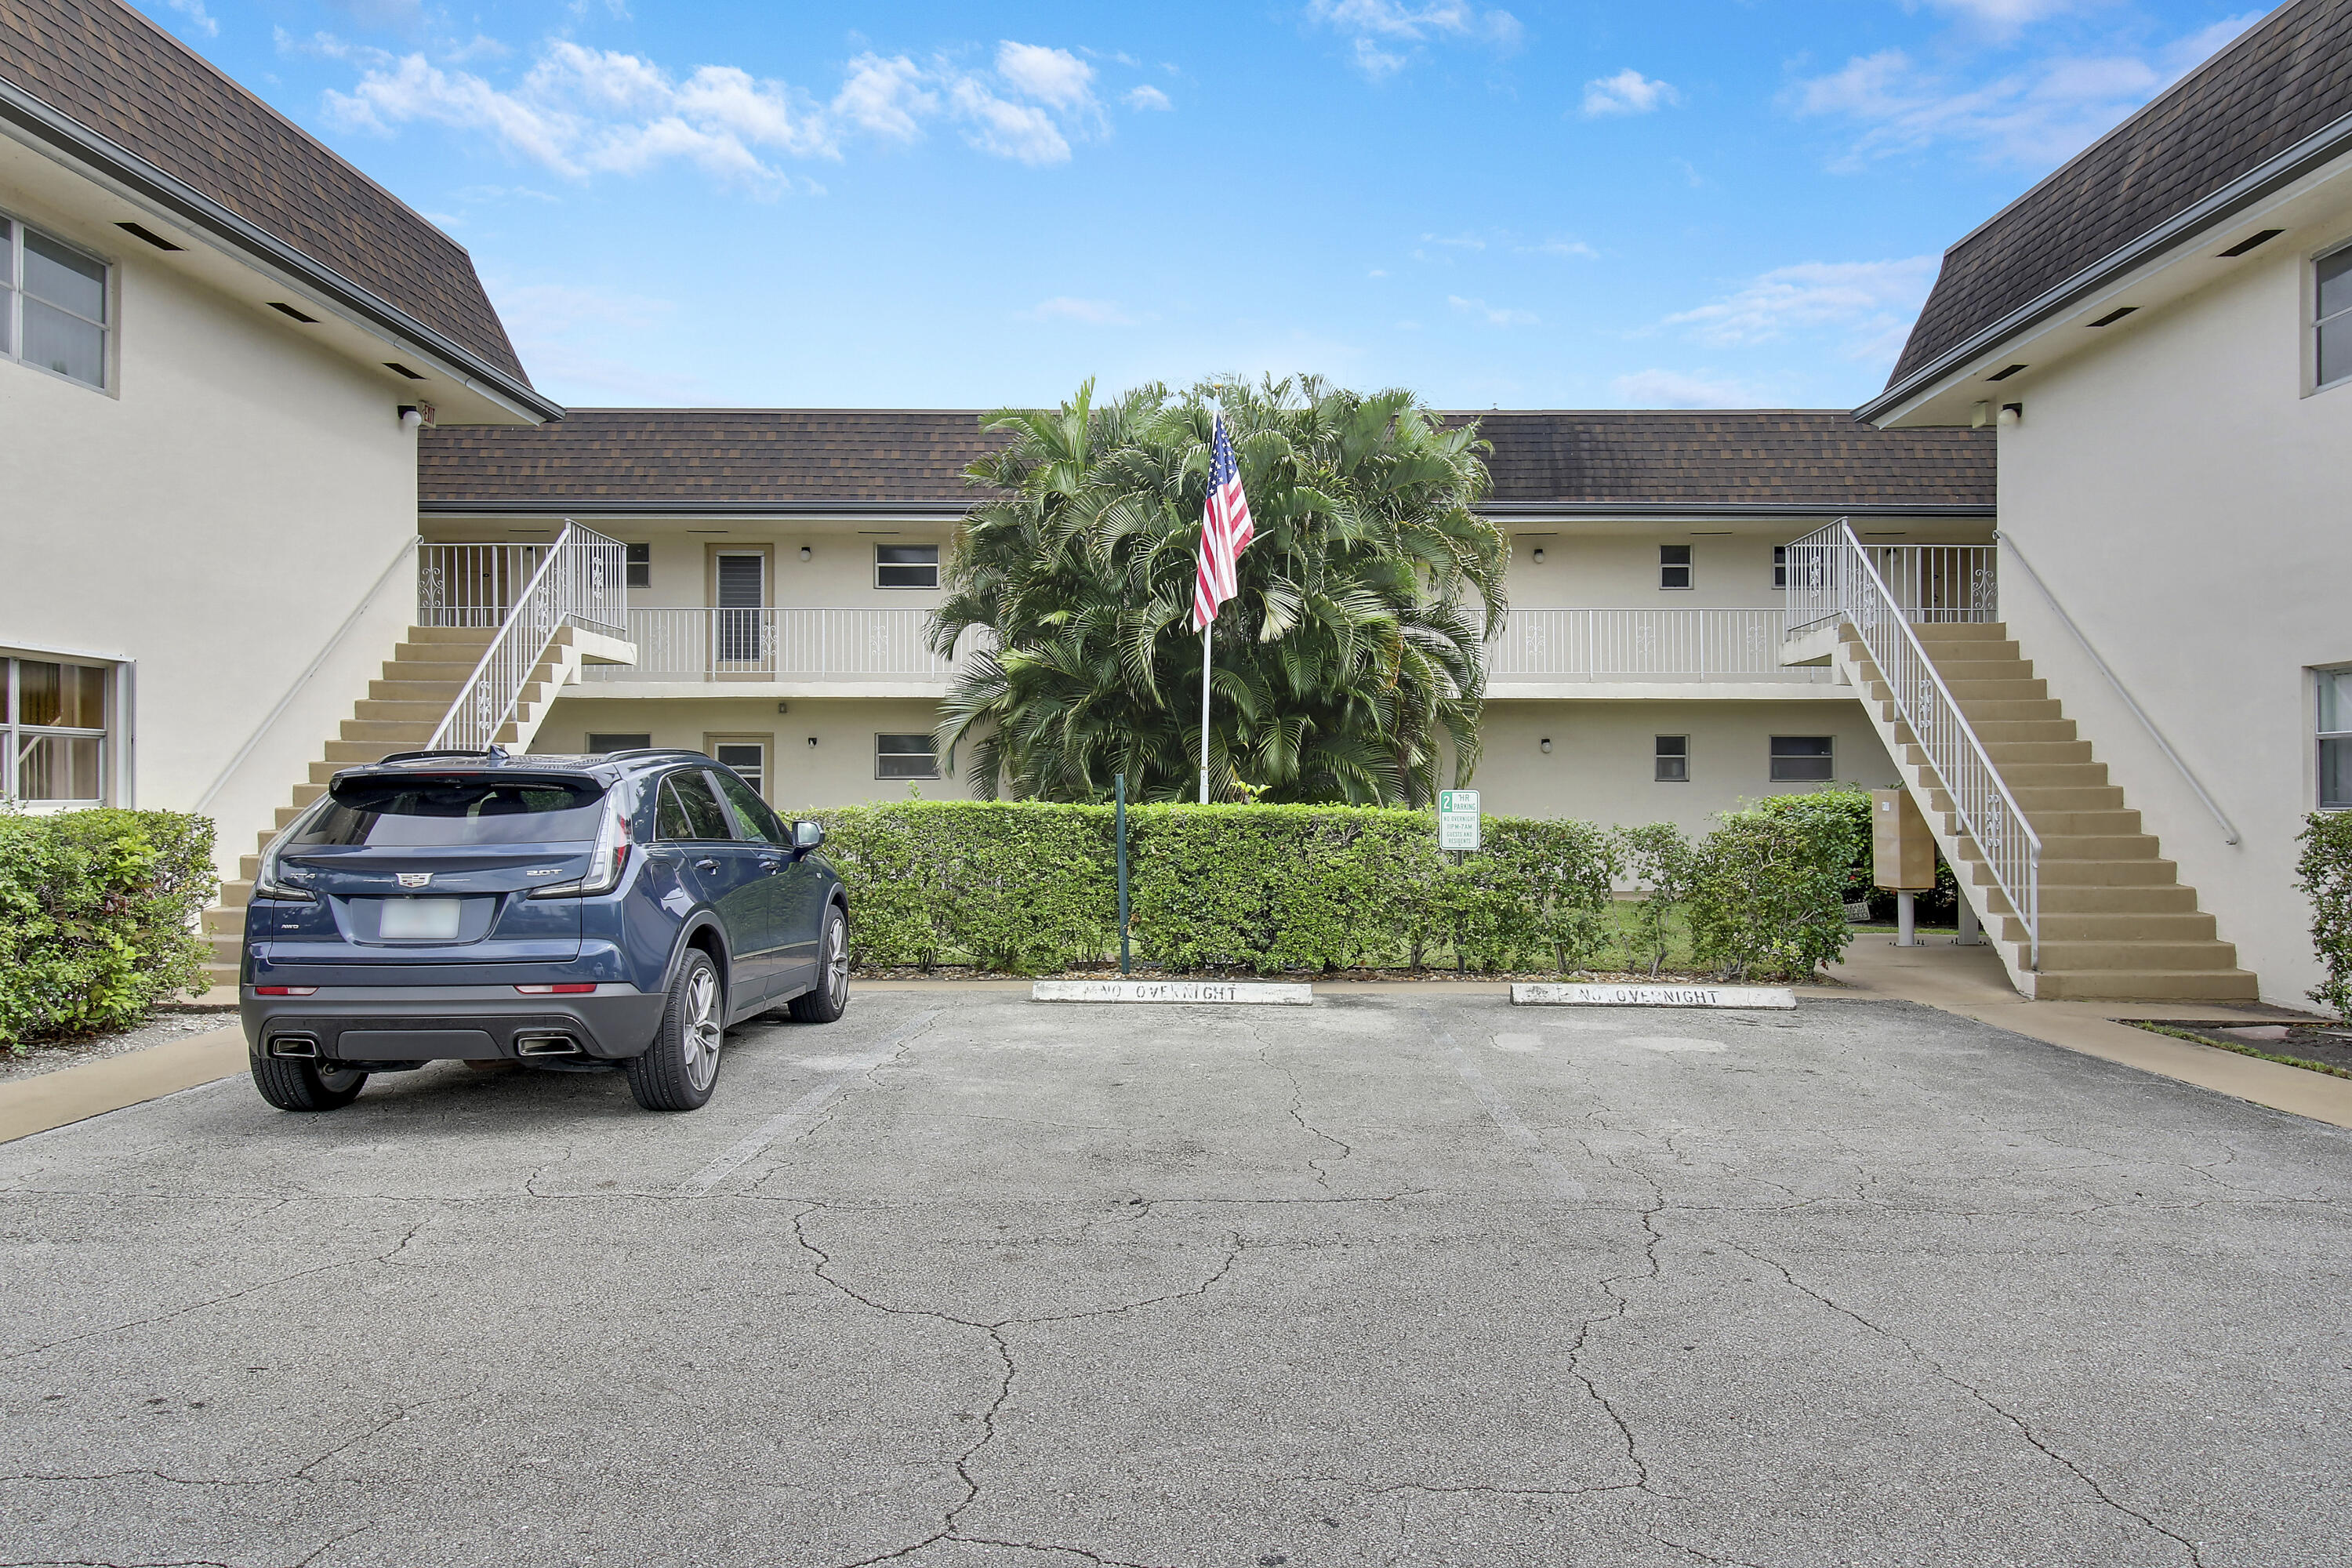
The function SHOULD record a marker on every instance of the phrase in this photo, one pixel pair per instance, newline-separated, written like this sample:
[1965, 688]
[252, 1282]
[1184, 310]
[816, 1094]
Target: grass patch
[2241, 1047]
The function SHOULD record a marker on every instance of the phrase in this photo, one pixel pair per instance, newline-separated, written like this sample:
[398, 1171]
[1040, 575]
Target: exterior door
[739, 616]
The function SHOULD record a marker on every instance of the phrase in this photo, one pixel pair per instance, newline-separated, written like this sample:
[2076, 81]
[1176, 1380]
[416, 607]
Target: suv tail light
[269, 883]
[607, 861]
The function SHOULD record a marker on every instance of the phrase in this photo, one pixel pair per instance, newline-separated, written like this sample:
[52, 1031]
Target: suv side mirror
[807, 834]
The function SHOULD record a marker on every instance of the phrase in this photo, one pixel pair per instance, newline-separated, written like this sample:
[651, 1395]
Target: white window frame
[900, 778]
[1779, 566]
[1660, 757]
[2321, 675]
[634, 556]
[762, 776]
[11, 309]
[1689, 564]
[16, 734]
[2318, 320]
[930, 587]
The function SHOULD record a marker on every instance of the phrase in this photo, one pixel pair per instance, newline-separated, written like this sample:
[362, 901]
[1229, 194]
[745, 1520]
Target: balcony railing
[1926, 582]
[1641, 646]
[778, 645]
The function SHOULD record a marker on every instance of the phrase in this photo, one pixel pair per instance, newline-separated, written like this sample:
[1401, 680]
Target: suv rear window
[451, 811]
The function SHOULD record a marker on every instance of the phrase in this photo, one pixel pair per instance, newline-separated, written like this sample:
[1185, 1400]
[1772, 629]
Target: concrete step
[413, 710]
[438, 656]
[1985, 710]
[1980, 666]
[393, 735]
[2126, 871]
[2189, 927]
[2038, 798]
[2154, 898]
[2024, 776]
[476, 637]
[2145, 986]
[1997, 732]
[2137, 955]
[2097, 846]
[236, 894]
[221, 973]
[345, 752]
[220, 920]
[2112, 822]
[1960, 631]
[1971, 691]
[226, 949]
[433, 693]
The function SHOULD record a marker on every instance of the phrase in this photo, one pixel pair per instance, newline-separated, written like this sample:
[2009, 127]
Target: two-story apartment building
[783, 562]
[2160, 332]
[217, 344]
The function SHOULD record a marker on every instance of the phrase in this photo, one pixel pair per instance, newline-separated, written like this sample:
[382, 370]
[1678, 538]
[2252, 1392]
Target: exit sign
[1457, 819]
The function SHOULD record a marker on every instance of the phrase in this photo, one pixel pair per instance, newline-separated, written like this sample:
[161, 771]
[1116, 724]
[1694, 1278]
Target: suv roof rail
[486, 754]
[655, 751]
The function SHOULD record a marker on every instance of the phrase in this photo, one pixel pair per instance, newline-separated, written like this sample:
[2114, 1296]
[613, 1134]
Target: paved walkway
[1399, 1280]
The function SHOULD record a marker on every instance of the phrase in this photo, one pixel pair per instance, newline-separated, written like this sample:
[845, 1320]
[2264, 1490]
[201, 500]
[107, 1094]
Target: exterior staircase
[400, 714]
[2116, 922]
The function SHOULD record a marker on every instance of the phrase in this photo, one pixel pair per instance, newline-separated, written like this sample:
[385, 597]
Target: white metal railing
[1928, 582]
[580, 580]
[1988, 815]
[1642, 645]
[697, 643]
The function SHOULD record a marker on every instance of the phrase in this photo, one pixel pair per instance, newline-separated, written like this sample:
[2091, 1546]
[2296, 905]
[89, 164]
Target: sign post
[1457, 819]
[1118, 782]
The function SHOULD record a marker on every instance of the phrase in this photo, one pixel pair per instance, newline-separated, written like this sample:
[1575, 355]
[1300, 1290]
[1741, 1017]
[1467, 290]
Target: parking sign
[1457, 819]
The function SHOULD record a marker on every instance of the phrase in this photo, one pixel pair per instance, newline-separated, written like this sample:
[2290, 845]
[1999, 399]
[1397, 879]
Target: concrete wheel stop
[1195, 993]
[1549, 994]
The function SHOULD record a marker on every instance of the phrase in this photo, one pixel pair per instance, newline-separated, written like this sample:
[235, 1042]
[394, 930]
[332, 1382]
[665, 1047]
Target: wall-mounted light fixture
[1536, 555]
[2013, 413]
[805, 553]
[1546, 744]
[784, 706]
[811, 740]
[416, 415]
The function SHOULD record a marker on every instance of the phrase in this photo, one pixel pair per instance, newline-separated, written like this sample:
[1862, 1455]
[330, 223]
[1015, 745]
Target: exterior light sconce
[2012, 413]
[811, 741]
[414, 416]
[1546, 744]
[805, 553]
[784, 706]
[1536, 555]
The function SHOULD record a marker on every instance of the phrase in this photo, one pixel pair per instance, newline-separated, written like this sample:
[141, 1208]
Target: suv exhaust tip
[296, 1047]
[546, 1045]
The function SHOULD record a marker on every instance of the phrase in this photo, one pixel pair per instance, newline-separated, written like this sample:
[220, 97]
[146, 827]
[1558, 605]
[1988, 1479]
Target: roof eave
[2313, 152]
[556, 505]
[69, 140]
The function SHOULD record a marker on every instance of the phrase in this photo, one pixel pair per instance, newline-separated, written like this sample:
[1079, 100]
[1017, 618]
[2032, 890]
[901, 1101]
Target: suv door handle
[706, 865]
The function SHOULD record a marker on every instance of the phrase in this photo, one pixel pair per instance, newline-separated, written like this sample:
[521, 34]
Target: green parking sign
[1457, 819]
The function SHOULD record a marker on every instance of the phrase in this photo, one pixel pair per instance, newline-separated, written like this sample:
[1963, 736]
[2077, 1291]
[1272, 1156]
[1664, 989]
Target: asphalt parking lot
[1399, 1279]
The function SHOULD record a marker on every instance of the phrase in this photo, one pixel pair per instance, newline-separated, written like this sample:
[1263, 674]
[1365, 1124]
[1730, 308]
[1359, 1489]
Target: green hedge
[1024, 887]
[2324, 871]
[98, 917]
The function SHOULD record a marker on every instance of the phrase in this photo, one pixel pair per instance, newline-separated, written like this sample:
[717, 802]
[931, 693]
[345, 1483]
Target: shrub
[1663, 864]
[1766, 894]
[98, 917]
[2324, 874]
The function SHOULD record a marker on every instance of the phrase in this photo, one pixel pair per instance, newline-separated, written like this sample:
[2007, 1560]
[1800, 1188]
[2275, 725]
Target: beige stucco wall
[837, 771]
[2185, 498]
[215, 516]
[1589, 566]
[1601, 764]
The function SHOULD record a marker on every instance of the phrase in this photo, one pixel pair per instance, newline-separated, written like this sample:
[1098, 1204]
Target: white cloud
[575, 339]
[1493, 315]
[1457, 241]
[1866, 305]
[1144, 96]
[580, 110]
[1049, 75]
[1628, 92]
[1090, 313]
[198, 17]
[2033, 115]
[1674, 389]
[1569, 247]
[1385, 35]
[2003, 18]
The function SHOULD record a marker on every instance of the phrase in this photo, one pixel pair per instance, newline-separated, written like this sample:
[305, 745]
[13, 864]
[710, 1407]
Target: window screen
[904, 757]
[1673, 565]
[2332, 317]
[688, 810]
[53, 304]
[749, 758]
[1779, 566]
[1674, 759]
[906, 565]
[2336, 740]
[1801, 758]
[639, 562]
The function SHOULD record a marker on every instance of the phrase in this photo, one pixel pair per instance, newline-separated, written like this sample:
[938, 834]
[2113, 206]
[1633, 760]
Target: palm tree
[1349, 665]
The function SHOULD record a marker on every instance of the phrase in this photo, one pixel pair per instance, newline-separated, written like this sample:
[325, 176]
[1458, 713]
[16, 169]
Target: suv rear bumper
[363, 1023]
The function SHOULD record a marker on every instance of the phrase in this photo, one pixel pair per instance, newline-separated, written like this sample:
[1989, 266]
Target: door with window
[693, 832]
[739, 594]
[790, 895]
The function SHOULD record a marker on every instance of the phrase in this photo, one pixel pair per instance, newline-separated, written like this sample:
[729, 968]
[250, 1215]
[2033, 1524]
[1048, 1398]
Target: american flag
[1226, 532]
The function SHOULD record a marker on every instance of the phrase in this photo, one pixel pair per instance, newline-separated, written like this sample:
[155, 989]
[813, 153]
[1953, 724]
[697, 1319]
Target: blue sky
[1687, 203]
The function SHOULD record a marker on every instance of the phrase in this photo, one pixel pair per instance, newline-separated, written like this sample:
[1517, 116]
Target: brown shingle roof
[109, 69]
[2286, 79]
[1803, 460]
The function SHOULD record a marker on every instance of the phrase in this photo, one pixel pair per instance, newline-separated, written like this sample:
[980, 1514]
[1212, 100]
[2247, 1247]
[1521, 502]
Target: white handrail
[581, 581]
[2228, 828]
[1989, 814]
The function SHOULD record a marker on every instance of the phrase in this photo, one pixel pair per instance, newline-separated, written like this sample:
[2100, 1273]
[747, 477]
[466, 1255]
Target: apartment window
[1779, 566]
[52, 304]
[53, 728]
[1674, 759]
[638, 561]
[2336, 740]
[599, 743]
[906, 565]
[2332, 318]
[1801, 758]
[1673, 566]
[904, 757]
[747, 754]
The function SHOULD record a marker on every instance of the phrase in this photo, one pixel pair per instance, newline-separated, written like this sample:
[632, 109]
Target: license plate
[420, 920]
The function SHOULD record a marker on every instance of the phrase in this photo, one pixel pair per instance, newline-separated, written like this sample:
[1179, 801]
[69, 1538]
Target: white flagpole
[1204, 710]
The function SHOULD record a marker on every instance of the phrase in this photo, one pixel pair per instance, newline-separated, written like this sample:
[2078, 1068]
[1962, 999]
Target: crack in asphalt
[1297, 1109]
[811, 1106]
[2024, 1429]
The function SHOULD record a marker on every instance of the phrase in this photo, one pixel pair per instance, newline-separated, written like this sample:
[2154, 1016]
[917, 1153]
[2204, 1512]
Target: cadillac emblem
[414, 879]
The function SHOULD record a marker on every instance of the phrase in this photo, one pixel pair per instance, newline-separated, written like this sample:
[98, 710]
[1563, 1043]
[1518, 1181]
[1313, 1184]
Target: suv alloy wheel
[676, 1071]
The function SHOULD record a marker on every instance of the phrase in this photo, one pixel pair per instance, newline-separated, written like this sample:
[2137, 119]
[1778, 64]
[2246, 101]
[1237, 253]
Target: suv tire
[294, 1085]
[678, 1070]
[830, 997]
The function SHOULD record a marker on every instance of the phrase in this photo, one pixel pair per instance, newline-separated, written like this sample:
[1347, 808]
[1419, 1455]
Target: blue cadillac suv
[586, 913]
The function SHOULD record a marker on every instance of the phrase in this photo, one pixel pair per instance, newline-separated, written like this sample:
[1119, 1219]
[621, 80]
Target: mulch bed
[2321, 1046]
[1146, 972]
